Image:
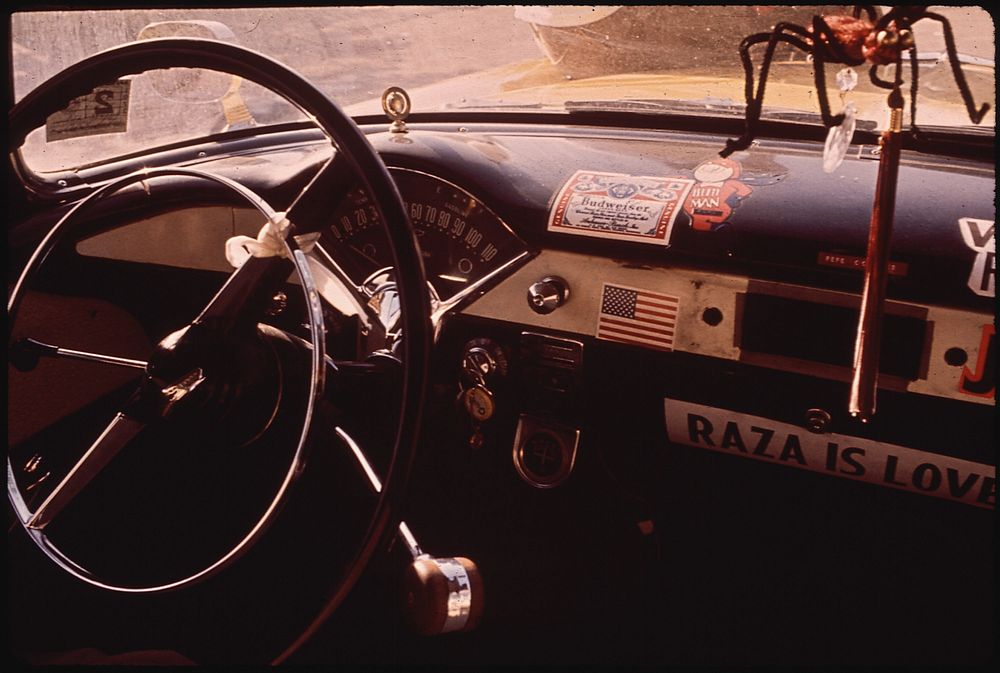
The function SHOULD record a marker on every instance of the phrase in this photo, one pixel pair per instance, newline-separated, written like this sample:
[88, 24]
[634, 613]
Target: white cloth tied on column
[270, 242]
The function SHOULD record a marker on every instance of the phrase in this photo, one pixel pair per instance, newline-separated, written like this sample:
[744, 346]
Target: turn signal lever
[442, 594]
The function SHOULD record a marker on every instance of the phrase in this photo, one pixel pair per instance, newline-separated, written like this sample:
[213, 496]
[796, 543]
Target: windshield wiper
[711, 107]
[486, 104]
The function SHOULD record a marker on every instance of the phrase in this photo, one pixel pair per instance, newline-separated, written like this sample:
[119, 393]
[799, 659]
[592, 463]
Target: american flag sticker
[640, 317]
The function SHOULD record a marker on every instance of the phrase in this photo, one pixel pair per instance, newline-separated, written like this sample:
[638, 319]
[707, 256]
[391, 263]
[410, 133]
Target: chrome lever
[443, 594]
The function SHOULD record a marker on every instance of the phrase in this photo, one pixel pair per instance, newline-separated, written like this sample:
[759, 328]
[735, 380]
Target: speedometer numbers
[460, 239]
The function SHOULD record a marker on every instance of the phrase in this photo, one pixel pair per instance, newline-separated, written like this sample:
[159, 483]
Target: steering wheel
[188, 381]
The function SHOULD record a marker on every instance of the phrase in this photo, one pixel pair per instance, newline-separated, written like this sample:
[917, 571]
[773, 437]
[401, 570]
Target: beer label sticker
[618, 206]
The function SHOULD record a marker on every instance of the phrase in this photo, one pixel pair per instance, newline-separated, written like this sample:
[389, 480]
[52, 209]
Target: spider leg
[876, 80]
[867, 9]
[755, 101]
[914, 67]
[956, 70]
[887, 18]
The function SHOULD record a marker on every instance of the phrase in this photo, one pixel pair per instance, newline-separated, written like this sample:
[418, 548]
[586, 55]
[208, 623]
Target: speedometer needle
[454, 279]
[360, 252]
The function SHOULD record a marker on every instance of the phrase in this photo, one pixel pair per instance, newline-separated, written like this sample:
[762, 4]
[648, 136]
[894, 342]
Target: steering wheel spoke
[246, 293]
[25, 353]
[310, 209]
[115, 436]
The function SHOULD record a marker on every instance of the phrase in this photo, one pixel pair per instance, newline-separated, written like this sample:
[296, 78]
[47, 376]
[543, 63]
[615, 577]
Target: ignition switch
[482, 360]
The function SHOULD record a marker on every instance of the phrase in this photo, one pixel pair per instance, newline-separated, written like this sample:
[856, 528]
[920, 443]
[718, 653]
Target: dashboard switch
[548, 294]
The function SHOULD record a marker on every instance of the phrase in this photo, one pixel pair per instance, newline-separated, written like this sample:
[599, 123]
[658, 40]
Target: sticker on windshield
[104, 110]
[619, 206]
[978, 235]
[842, 456]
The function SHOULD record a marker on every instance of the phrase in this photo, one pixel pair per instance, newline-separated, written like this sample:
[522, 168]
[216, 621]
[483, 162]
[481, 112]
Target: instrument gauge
[461, 240]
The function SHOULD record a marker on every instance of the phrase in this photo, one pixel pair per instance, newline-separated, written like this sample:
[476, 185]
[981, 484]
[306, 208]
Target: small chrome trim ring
[565, 437]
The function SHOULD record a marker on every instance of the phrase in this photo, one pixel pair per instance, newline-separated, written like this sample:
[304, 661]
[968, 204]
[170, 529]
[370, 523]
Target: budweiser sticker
[619, 206]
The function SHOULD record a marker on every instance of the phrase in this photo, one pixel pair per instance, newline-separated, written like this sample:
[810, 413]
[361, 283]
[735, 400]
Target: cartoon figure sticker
[978, 235]
[716, 194]
[619, 206]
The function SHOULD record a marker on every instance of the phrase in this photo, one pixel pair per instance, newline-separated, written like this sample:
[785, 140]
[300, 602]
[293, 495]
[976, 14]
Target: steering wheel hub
[227, 384]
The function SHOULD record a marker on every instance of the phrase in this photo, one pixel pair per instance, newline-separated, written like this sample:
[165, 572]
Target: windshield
[454, 57]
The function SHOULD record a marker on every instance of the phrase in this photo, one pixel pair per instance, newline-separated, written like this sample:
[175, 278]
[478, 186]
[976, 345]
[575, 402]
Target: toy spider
[852, 40]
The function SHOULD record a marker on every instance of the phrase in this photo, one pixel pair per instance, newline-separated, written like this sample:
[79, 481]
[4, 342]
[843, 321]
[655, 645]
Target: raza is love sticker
[841, 456]
[618, 206]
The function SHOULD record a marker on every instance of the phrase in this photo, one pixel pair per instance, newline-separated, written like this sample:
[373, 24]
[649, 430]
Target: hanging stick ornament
[863, 37]
[864, 376]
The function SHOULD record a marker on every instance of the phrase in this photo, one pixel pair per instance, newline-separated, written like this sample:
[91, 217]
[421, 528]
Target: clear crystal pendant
[847, 79]
[838, 139]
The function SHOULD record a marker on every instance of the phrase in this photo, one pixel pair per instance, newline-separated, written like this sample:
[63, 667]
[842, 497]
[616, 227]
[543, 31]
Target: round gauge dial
[460, 239]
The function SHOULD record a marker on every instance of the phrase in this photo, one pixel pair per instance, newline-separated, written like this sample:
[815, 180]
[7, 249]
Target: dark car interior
[426, 423]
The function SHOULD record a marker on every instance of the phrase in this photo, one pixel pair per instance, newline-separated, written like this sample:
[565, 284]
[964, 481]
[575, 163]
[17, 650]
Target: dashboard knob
[548, 294]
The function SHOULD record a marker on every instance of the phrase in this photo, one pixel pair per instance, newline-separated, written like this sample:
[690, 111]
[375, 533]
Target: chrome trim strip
[411, 542]
[359, 455]
[97, 357]
[404, 531]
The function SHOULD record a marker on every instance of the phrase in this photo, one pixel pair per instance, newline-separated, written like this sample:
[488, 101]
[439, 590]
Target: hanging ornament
[838, 139]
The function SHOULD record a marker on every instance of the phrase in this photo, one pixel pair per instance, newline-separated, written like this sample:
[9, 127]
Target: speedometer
[461, 240]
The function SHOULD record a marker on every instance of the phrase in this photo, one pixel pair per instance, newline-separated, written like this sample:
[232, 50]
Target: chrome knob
[548, 294]
[443, 595]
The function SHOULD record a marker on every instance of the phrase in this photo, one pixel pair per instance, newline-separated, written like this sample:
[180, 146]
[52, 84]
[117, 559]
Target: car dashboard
[640, 431]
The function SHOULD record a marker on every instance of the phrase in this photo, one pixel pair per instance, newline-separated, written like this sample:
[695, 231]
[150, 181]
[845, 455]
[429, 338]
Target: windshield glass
[454, 57]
